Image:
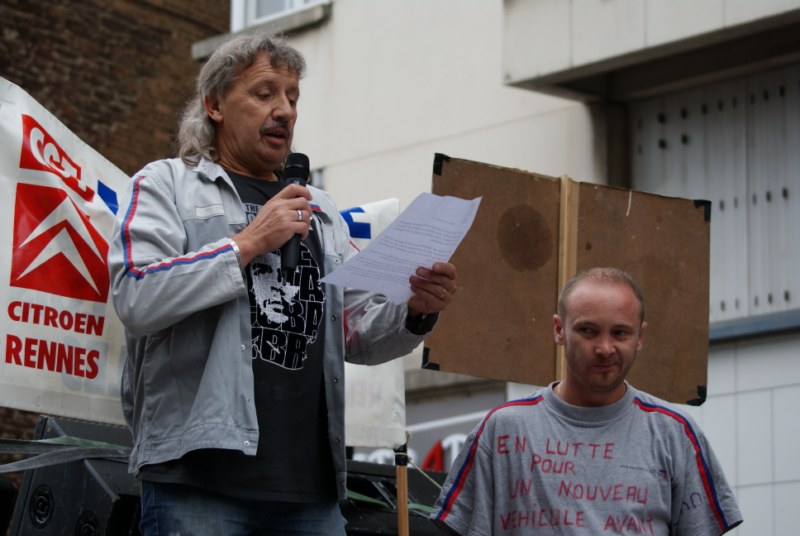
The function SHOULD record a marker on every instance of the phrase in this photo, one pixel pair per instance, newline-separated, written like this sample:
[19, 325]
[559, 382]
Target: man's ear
[211, 106]
[640, 342]
[558, 330]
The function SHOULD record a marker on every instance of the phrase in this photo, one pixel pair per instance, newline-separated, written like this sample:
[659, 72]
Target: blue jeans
[175, 510]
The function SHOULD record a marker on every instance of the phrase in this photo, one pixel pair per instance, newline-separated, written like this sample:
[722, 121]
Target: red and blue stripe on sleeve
[469, 460]
[138, 273]
[700, 459]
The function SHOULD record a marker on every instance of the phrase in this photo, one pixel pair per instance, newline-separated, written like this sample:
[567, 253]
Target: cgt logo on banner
[62, 343]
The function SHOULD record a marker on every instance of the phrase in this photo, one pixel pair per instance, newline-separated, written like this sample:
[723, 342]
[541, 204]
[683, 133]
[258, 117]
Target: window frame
[243, 12]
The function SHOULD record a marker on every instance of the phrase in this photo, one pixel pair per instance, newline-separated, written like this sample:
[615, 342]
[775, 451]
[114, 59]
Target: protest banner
[532, 233]
[60, 338]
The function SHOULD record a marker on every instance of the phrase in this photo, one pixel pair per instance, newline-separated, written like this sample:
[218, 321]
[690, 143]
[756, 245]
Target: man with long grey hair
[233, 385]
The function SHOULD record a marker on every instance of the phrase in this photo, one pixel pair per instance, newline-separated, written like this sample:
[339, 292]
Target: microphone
[296, 171]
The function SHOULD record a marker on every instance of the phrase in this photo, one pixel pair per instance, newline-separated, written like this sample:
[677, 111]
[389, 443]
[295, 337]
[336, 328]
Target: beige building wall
[594, 35]
[392, 82]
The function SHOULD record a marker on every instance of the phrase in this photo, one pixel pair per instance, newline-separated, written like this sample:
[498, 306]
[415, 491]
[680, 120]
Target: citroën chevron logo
[56, 249]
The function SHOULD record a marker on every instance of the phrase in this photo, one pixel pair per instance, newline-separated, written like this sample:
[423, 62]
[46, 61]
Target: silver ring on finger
[299, 215]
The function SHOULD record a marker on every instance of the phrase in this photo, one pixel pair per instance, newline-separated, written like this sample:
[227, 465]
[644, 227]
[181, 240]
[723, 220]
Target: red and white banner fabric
[60, 339]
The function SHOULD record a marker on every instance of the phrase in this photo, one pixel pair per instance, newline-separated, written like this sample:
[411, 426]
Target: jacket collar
[210, 171]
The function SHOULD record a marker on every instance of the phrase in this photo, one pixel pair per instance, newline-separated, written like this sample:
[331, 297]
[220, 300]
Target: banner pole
[401, 472]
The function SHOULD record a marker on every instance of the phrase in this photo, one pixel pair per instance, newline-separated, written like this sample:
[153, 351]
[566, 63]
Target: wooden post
[568, 237]
[401, 471]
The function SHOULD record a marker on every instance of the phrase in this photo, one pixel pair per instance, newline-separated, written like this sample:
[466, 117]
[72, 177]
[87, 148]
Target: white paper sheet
[428, 231]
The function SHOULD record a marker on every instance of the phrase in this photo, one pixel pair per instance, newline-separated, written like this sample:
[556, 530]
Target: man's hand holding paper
[409, 260]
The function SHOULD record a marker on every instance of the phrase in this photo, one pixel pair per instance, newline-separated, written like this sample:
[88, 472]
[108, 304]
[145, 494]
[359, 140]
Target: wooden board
[663, 242]
[499, 325]
[525, 241]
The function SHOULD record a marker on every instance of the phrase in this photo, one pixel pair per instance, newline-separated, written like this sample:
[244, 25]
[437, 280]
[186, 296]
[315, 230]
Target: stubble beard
[601, 382]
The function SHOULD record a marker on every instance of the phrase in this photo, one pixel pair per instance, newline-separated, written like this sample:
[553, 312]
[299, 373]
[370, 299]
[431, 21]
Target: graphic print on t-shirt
[285, 314]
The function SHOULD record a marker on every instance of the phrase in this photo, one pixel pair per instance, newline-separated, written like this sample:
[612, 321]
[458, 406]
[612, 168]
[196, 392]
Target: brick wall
[115, 72]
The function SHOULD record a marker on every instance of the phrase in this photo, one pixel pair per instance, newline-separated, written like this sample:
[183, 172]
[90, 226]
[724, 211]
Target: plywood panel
[663, 242]
[499, 325]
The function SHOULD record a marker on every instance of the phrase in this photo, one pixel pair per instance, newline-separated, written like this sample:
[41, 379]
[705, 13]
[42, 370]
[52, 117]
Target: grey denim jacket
[180, 293]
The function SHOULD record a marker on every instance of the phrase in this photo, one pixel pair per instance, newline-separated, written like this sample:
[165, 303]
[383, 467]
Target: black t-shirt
[293, 462]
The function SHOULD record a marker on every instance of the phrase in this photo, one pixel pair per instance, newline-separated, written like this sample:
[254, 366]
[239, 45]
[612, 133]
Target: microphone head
[296, 166]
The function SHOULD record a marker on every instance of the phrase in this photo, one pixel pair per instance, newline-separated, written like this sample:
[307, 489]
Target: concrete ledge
[291, 22]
